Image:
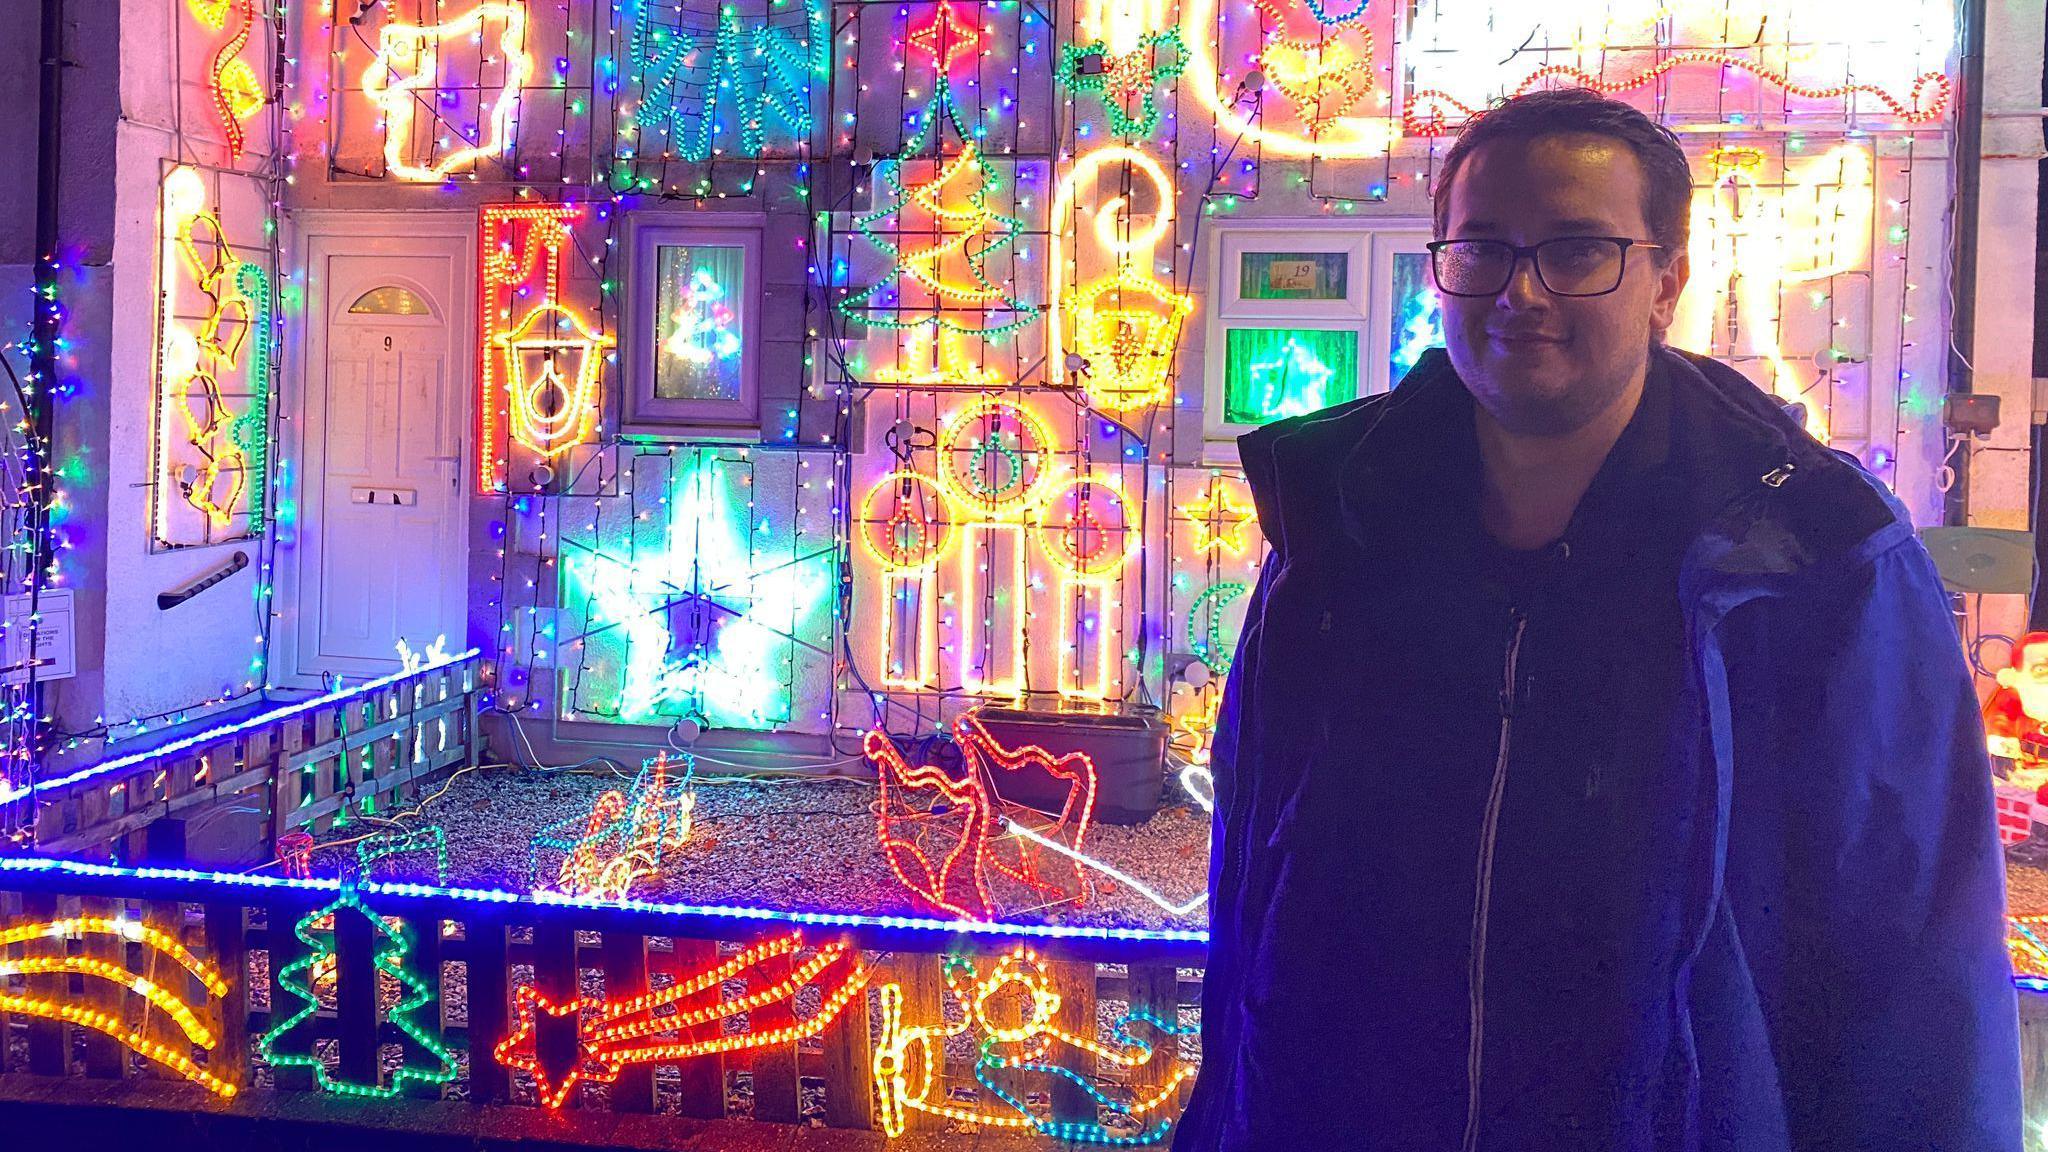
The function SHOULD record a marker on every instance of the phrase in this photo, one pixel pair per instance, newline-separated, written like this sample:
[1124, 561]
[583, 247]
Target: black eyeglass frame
[1529, 251]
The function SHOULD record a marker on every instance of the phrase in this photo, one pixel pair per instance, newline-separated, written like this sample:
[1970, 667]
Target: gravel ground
[2026, 888]
[805, 844]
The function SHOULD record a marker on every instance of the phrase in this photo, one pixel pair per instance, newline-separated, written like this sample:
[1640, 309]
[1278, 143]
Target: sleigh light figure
[944, 832]
[622, 840]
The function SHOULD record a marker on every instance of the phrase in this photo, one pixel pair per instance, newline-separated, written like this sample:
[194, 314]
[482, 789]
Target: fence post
[703, 1077]
[625, 977]
[485, 968]
[227, 943]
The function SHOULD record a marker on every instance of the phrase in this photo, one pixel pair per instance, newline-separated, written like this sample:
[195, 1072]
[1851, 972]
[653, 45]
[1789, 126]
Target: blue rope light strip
[1192, 943]
[8, 795]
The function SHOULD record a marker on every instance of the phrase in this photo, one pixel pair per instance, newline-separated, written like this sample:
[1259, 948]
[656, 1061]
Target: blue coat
[1820, 962]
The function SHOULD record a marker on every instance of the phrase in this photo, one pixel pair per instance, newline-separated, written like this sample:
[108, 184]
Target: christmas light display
[938, 831]
[1121, 25]
[909, 1056]
[623, 838]
[552, 408]
[1330, 136]
[946, 38]
[169, 1000]
[236, 92]
[406, 77]
[1206, 624]
[1430, 112]
[1221, 518]
[394, 945]
[703, 328]
[1171, 907]
[752, 81]
[612, 1034]
[372, 850]
[1125, 78]
[1085, 527]
[708, 621]
[519, 241]
[1126, 325]
[907, 526]
[1751, 242]
[45, 873]
[995, 461]
[213, 369]
[1327, 73]
[294, 853]
[966, 231]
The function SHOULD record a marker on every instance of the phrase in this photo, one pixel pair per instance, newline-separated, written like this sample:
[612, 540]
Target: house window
[693, 333]
[1274, 373]
[1309, 318]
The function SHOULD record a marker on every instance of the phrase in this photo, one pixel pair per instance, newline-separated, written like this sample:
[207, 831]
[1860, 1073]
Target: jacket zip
[1482, 893]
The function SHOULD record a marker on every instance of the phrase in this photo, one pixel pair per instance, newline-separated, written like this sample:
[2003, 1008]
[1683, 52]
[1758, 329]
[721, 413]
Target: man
[1599, 769]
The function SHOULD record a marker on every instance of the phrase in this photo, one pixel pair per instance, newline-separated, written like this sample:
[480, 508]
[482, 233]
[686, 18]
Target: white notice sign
[56, 656]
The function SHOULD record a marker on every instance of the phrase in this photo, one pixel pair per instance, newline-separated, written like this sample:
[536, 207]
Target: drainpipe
[1969, 161]
[47, 323]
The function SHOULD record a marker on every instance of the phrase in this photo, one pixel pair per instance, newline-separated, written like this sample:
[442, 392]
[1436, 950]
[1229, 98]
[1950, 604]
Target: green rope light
[1128, 78]
[1205, 638]
[390, 959]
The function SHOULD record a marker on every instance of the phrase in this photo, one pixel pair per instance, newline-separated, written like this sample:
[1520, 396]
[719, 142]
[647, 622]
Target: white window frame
[1367, 307]
[648, 415]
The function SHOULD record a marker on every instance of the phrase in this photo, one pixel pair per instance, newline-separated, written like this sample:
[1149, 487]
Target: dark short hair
[1667, 178]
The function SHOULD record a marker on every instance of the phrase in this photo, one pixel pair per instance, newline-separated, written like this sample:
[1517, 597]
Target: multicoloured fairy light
[686, 1019]
[907, 526]
[525, 249]
[394, 946]
[938, 831]
[909, 1057]
[405, 77]
[160, 946]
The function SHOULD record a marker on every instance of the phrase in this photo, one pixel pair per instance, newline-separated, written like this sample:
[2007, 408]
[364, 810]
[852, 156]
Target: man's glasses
[1566, 265]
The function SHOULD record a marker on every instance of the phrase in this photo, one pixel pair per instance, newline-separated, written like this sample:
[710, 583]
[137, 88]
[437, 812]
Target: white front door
[382, 539]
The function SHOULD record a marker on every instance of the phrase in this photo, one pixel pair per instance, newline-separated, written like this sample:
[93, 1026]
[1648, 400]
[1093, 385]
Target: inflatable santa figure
[2016, 715]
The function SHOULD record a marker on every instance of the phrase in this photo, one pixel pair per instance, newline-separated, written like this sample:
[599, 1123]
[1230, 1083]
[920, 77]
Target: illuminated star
[1219, 519]
[1292, 383]
[945, 38]
[520, 1049]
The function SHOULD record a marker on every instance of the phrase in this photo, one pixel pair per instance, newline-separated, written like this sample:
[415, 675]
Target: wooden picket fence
[473, 953]
[371, 747]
